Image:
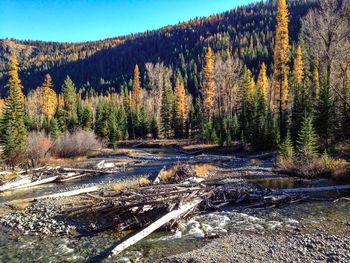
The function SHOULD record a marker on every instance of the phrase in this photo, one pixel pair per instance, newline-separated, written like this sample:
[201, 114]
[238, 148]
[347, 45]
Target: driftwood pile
[45, 175]
[163, 204]
[135, 208]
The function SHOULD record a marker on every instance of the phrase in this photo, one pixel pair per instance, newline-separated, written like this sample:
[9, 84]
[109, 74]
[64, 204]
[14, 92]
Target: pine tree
[167, 108]
[49, 97]
[307, 140]
[197, 119]
[13, 128]
[281, 60]
[287, 149]
[70, 103]
[54, 129]
[209, 84]
[298, 66]
[154, 127]
[325, 114]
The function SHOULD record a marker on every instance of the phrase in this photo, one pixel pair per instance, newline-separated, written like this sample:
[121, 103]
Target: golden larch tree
[209, 83]
[136, 87]
[281, 60]
[14, 80]
[263, 83]
[316, 78]
[49, 97]
[180, 101]
[298, 66]
[2, 103]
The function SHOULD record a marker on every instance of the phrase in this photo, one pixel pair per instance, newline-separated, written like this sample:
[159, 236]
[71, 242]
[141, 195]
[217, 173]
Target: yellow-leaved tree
[14, 80]
[49, 96]
[298, 66]
[281, 60]
[180, 101]
[2, 103]
[136, 88]
[263, 84]
[209, 83]
[316, 78]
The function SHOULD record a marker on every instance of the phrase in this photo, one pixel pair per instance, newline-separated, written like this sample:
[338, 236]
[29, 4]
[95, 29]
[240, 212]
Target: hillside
[248, 30]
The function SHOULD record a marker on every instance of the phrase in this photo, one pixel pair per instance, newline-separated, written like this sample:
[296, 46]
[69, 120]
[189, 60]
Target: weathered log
[155, 225]
[9, 186]
[316, 189]
[38, 182]
[58, 195]
[87, 170]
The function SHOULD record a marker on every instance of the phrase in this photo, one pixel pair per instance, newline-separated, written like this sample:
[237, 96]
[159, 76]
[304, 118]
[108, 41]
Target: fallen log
[87, 170]
[57, 195]
[21, 182]
[316, 189]
[38, 182]
[183, 208]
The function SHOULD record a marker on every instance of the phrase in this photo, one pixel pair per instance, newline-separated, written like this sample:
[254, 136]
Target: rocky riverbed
[307, 232]
[263, 246]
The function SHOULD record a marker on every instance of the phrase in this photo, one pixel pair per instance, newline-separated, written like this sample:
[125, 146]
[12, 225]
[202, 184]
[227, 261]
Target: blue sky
[84, 20]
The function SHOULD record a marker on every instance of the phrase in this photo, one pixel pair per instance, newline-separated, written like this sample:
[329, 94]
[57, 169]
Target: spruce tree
[325, 114]
[154, 127]
[167, 108]
[13, 126]
[70, 103]
[307, 140]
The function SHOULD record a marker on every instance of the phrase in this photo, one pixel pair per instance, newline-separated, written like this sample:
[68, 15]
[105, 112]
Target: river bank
[39, 229]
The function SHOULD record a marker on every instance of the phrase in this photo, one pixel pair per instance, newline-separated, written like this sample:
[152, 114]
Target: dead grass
[323, 166]
[202, 170]
[168, 173]
[54, 161]
[143, 181]
[131, 184]
[20, 207]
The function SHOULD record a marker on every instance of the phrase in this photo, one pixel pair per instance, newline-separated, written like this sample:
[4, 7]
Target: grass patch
[202, 170]
[323, 166]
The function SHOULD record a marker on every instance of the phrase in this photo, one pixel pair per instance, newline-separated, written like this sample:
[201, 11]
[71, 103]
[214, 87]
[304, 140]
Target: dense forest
[270, 75]
[247, 31]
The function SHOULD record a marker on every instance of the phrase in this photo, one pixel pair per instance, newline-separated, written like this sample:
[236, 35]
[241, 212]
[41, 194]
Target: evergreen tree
[197, 119]
[307, 141]
[325, 114]
[12, 126]
[54, 129]
[154, 127]
[167, 108]
[70, 103]
[286, 149]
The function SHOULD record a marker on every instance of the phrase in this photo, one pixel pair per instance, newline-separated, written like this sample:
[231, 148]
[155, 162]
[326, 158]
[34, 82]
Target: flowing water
[15, 247]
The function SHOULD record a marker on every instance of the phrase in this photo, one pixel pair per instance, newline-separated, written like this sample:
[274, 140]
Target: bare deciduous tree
[326, 33]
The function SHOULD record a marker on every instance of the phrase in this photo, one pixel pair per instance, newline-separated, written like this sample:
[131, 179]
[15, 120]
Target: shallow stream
[15, 247]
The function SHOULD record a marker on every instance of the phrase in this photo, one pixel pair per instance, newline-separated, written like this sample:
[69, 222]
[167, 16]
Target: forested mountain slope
[248, 31]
